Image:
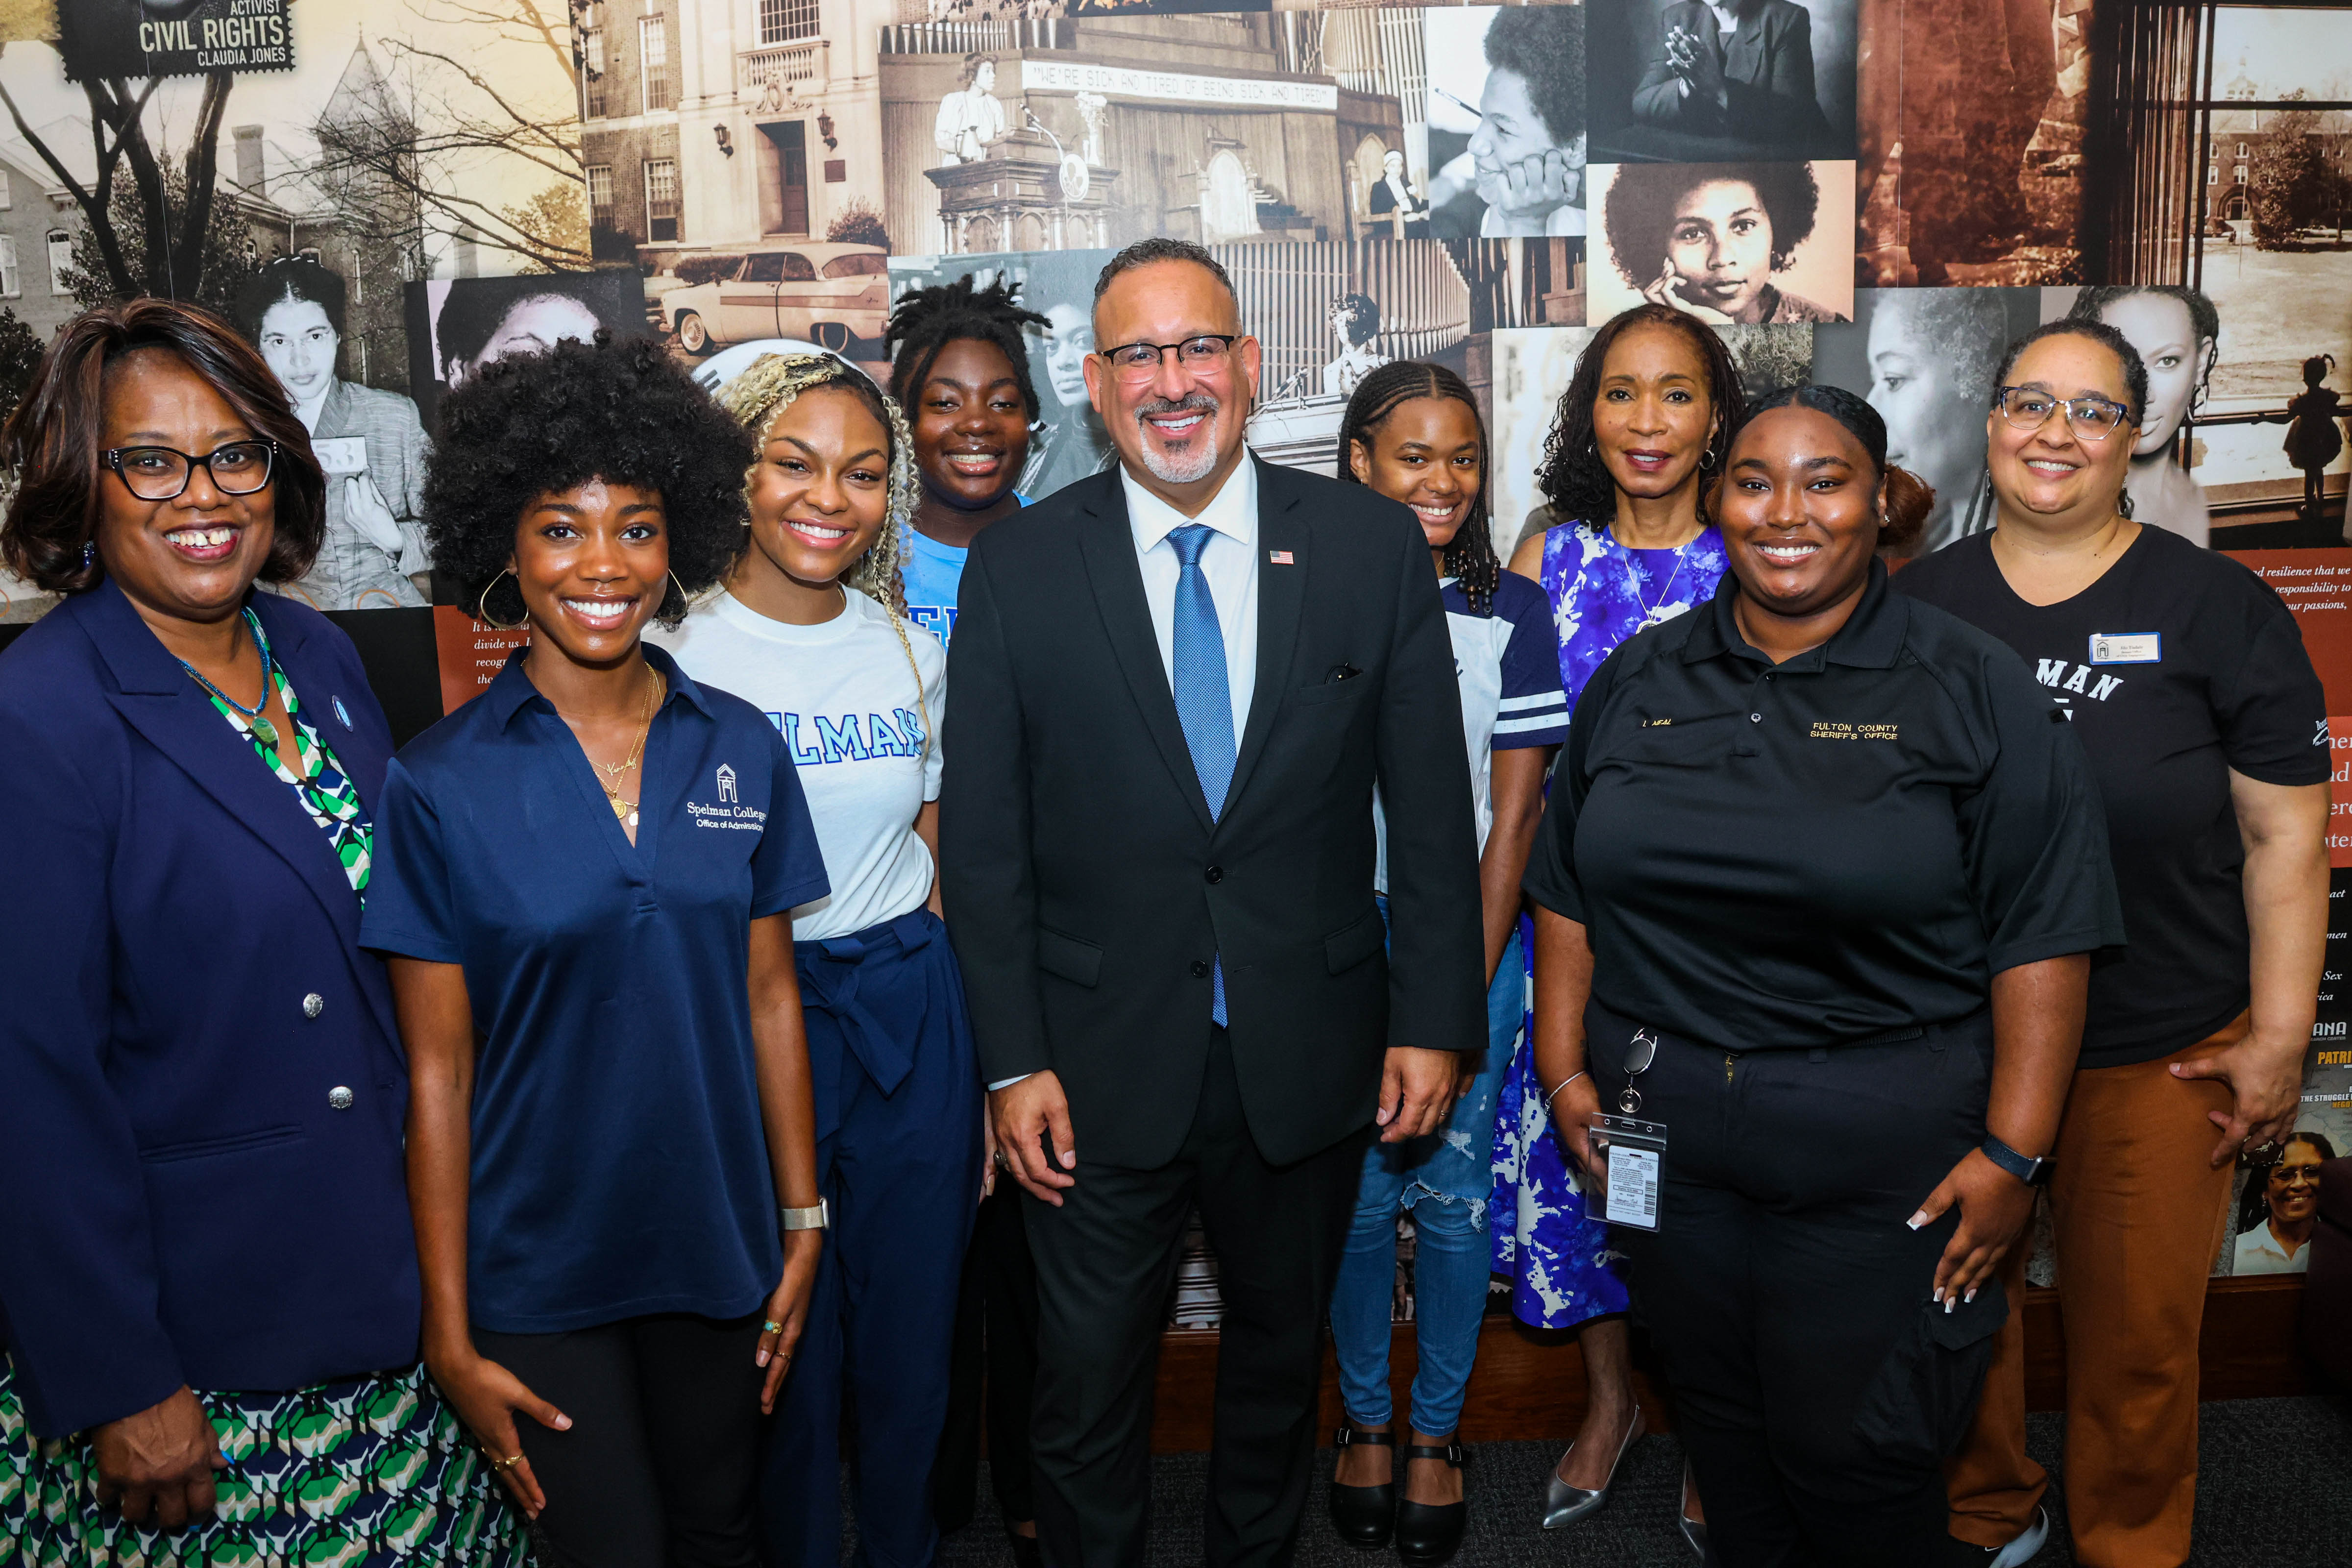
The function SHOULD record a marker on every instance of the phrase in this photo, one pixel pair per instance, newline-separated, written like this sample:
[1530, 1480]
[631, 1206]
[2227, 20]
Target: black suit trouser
[1817, 1385]
[1106, 1263]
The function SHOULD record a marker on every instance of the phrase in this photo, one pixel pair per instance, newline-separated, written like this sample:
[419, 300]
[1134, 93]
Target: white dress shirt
[1230, 562]
[2259, 1252]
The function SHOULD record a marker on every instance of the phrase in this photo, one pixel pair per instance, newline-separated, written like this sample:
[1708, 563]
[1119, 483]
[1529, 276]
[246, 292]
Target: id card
[1632, 1153]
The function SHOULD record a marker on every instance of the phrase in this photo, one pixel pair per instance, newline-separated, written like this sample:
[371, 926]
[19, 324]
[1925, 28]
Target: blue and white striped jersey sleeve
[1534, 711]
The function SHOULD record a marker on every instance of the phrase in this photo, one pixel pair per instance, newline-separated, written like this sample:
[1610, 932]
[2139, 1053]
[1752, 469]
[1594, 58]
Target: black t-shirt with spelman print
[2176, 665]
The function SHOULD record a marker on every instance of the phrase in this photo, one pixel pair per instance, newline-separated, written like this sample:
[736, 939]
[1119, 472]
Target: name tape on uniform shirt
[2127, 647]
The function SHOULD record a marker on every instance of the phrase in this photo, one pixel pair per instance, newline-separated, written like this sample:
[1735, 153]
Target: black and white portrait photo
[1507, 121]
[1711, 80]
[455, 326]
[1731, 243]
[370, 442]
[1925, 358]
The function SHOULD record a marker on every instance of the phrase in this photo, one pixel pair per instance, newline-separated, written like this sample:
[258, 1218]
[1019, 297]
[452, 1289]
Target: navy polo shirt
[619, 1161]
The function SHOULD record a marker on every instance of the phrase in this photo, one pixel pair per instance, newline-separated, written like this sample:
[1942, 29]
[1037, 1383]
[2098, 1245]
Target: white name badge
[2127, 647]
[1634, 1187]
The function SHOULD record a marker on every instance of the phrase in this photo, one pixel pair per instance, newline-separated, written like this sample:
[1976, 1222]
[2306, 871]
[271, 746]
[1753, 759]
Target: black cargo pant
[1817, 1385]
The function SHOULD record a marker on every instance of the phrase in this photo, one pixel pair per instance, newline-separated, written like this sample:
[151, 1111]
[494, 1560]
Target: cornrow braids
[1470, 557]
[927, 320]
[759, 396]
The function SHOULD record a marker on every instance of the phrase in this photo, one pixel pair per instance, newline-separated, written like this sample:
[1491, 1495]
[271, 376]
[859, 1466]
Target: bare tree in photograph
[151, 227]
[455, 117]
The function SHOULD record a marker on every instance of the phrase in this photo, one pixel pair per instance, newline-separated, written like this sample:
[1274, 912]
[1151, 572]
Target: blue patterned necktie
[1204, 701]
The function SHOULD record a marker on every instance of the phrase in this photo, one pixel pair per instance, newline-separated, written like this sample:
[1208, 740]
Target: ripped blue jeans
[1443, 1181]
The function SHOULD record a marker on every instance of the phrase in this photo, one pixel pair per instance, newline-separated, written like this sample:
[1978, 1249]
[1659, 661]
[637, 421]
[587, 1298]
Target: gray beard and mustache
[1199, 461]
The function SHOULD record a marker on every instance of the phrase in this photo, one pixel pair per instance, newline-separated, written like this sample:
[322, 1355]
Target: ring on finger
[771, 1326]
[508, 1463]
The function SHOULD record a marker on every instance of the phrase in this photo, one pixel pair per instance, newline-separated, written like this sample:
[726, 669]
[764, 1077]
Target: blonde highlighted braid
[759, 396]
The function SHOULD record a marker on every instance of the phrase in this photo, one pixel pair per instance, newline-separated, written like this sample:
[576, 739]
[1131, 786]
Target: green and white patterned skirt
[374, 1472]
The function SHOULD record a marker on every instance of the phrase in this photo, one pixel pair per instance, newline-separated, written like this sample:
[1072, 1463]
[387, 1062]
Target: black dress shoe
[1429, 1533]
[1364, 1516]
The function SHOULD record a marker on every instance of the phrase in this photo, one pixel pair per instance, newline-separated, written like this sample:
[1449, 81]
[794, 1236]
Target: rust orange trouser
[2137, 1209]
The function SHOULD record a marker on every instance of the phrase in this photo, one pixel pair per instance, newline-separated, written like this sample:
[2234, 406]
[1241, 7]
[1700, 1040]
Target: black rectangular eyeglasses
[161, 473]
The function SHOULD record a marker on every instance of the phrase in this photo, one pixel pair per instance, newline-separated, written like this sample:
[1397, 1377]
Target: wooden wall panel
[1530, 1383]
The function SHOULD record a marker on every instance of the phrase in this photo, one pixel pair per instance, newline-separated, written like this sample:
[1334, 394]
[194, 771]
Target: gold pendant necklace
[623, 811]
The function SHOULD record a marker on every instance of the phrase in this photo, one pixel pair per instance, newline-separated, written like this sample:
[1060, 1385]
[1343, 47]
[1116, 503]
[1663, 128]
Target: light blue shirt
[933, 573]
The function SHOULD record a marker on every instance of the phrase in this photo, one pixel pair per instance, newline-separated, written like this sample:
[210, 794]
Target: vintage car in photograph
[835, 295]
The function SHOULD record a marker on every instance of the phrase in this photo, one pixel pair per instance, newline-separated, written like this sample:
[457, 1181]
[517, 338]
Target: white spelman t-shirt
[844, 698]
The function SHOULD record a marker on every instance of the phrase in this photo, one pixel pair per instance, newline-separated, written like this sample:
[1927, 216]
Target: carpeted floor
[2275, 1491]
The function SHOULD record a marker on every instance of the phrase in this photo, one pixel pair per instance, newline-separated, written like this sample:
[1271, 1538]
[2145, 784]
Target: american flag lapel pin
[1279, 558]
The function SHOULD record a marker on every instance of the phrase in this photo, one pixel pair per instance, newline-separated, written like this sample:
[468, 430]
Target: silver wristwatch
[817, 1217]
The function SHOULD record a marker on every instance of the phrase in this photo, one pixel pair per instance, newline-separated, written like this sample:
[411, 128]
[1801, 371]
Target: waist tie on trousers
[830, 972]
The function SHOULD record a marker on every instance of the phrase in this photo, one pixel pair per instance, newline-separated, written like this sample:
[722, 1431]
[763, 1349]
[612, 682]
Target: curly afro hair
[618, 410]
[1545, 44]
[1641, 209]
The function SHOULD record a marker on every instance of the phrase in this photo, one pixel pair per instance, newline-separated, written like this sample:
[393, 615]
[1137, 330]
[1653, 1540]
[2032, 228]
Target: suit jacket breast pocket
[1917, 1408]
[1330, 691]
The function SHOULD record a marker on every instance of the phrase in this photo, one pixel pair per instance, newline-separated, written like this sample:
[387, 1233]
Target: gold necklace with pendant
[610, 773]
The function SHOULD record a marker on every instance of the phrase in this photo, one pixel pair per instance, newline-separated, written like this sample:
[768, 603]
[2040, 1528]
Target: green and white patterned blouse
[325, 792]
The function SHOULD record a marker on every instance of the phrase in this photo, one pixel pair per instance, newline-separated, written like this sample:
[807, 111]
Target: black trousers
[660, 1464]
[993, 1375]
[1106, 1262]
[1817, 1385]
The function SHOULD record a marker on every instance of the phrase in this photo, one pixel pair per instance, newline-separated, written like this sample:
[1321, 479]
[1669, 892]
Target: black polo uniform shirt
[1844, 847]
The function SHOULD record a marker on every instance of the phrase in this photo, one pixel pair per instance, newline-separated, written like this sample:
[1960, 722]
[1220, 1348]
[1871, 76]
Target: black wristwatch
[2032, 1172]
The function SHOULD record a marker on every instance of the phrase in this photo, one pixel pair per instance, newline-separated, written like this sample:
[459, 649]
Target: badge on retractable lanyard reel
[1632, 1152]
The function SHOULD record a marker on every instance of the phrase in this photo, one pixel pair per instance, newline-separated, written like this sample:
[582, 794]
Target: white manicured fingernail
[1916, 1220]
[1939, 1293]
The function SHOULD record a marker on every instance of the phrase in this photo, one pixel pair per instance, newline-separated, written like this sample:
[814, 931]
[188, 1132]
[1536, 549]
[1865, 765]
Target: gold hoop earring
[685, 596]
[482, 609]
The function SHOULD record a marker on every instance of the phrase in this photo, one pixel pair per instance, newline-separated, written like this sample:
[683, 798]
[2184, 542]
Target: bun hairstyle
[1908, 499]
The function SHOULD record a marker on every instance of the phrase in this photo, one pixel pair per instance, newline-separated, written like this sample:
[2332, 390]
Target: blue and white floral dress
[1557, 1259]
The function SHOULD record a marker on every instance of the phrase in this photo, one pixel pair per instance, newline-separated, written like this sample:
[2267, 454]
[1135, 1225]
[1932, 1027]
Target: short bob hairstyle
[52, 442]
[619, 410]
[1639, 209]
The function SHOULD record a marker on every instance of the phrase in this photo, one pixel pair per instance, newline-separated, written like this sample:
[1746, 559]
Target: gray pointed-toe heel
[1565, 1504]
[1694, 1529]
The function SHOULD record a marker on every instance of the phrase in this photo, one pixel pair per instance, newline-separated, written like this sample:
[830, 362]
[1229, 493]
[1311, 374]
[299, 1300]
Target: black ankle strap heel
[1429, 1533]
[1365, 1517]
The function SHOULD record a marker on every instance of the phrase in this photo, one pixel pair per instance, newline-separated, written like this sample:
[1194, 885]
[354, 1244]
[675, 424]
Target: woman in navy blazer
[209, 1285]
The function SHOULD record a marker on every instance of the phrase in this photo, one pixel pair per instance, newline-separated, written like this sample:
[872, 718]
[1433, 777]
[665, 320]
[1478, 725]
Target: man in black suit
[1176, 685]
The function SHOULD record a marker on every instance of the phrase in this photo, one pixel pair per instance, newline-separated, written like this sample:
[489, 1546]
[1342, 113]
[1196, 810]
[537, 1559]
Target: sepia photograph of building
[1091, 132]
[710, 126]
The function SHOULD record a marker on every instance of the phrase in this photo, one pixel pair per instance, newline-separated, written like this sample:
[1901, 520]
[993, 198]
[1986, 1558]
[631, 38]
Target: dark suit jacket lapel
[1281, 594]
[1107, 544]
[158, 700]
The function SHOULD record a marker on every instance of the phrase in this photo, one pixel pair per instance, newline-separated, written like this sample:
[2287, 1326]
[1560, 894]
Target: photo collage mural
[1877, 194]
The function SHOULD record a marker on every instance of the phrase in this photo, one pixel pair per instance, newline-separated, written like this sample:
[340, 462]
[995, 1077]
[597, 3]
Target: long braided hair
[759, 396]
[1573, 479]
[1470, 557]
[925, 320]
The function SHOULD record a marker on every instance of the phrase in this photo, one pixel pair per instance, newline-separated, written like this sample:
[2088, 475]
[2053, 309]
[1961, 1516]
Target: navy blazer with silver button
[201, 1089]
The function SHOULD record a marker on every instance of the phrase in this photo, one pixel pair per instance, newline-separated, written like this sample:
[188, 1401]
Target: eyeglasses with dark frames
[1134, 362]
[161, 473]
[2091, 419]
